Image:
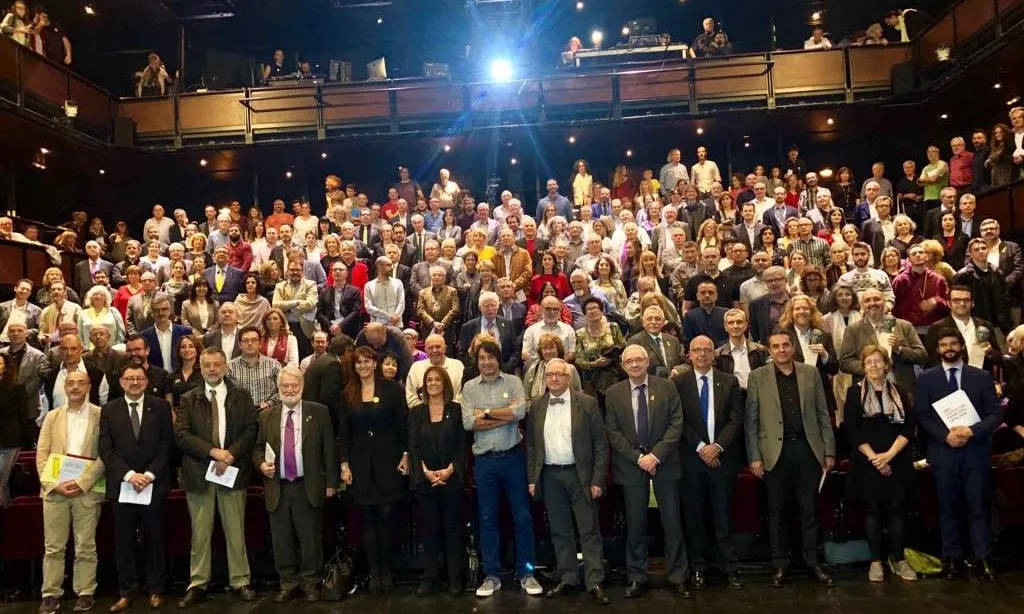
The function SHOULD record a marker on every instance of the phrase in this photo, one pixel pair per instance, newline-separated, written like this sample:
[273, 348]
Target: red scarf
[280, 353]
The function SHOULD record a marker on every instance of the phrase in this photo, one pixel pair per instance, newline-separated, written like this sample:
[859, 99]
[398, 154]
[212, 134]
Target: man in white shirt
[705, 172]
[164, 335]
[818, 40]
[551, 308]
[54, 381]
[739, 355]
[320, 340]
[761, 201]
[435, 347]
[384, 296]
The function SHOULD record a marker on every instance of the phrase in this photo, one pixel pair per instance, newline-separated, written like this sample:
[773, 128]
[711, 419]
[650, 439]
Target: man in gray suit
[644, 419]
[19, 309]
[302, 473]
[566, 461]
[140, 317]
[29, 363]
[901, 341]
[663, 349]
[789, 444]
[85, 271]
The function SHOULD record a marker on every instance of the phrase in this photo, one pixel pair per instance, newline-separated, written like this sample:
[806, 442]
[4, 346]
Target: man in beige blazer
[74, 430]
[789, 444]
[296, 296]
[513, 262]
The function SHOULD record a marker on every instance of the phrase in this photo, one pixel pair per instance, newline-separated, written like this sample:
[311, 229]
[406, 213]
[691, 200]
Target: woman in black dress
[372, 435]
[879, 424]
[437, 457]
[188, 375]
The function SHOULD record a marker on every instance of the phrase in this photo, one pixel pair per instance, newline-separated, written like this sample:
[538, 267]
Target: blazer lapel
[273, 431]
[626, 413]
[60, 426]
[719, 400]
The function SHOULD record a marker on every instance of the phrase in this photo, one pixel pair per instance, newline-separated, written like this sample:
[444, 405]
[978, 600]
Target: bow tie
[556, 400]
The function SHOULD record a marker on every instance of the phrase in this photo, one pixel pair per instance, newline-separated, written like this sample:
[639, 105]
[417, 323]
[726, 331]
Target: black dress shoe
[562, 589]
[733, 577]
[284, 595]
[192, 596]
[950, 570]
[599, 595]
[699, 580]
[426, 588]
[681, 590]
[986, 570]
[634, 590]
[822, 578]
[779, 578]
[245, 593]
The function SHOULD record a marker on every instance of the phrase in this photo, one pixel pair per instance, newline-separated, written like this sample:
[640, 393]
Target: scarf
[280, 352]
[539, 387]
[891, 405]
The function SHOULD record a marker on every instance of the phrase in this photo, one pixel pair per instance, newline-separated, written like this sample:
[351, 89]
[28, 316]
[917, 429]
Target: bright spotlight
[816, 15]
[625, 30]
[288, 174]
[579, 6]
[513, 161]
[597, 37]
[89, 10]
[447, 148]
[825, 173]
[501, 70]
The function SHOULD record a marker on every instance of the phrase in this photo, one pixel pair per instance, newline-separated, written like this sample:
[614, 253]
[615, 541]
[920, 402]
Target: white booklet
[135, 497]
[226, 479]
[956, 410]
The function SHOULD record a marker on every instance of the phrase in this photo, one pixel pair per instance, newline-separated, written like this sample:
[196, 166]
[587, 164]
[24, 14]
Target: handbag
[338, 571]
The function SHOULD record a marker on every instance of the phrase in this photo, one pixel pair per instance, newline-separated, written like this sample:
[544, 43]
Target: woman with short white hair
[99, 312]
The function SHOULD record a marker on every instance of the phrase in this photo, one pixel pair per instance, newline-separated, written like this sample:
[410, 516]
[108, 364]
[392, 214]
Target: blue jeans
[504, 472]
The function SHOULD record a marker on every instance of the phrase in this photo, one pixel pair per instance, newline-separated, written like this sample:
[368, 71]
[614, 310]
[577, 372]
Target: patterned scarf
[891, 404]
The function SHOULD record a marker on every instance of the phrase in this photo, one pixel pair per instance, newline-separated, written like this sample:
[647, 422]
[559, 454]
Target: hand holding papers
[226, 479]
[135, 497]
[956, 410]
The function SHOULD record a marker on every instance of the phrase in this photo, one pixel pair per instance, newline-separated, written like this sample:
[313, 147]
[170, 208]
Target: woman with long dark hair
[1000, 160]
[372, 437]
[199, 310]
[188, 375]
[437, 462]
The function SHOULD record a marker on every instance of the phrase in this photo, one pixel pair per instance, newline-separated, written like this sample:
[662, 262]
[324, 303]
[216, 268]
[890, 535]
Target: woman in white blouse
[199, 311]
[98, 312]
[582, 184]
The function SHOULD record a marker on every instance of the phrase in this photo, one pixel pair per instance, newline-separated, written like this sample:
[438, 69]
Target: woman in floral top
[597, 344]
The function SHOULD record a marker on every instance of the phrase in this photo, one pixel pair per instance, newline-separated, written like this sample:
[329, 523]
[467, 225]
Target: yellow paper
[51, 473]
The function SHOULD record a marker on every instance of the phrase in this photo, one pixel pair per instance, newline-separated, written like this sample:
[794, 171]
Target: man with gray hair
[428, 259]
[878, 176]
[419, 236]
[551, 309]
[499, 328]
[581, 290]
[140, 314]
[485, 224]
[178, 231]
[866, 210]
[85, 271]
[219, 236]
[384, 296]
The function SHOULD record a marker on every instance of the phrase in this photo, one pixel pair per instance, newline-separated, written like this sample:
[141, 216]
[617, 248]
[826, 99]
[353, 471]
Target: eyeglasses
[134, 378]
[553, 374]
[702, 350]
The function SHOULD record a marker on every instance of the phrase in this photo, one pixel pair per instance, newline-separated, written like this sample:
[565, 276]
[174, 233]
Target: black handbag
[338, 580]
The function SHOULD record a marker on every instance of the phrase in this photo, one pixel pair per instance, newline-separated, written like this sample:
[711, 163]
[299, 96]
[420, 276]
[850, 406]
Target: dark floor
[853, 594]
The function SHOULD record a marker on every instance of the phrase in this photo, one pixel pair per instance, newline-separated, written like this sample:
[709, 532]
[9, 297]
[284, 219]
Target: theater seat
[1009, 489]
[746, 503]
[21, 530]
[927, 501]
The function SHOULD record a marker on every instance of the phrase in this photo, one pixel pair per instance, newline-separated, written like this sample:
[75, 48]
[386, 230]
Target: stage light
[747, 144]
[70, 109]
[287, 174]
[380, 20]
[700, 131]
[625, 30]
[89, 10]
[202, 162]
[629, 153]
[501, 70]
[323, 156]
[816, 15]
[447, 148]
[825, 173]
[1013, 101]
[997, 86]
[572, 139]
[830, 121]
[597, 37]
[44, 151]
[579, 6]
[513, 161]
[103, 172]
[944, 116]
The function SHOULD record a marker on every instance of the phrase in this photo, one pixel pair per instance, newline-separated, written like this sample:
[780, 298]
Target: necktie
[641, 416]
[93, 265]
[220, 279]
[145, 305]
[291, 467]
[952, 379]
[136, 419]
[705, 401]
[215, 417]
[661, 350]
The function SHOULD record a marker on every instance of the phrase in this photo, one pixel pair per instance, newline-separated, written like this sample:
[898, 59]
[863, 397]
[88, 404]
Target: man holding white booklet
[956, 407]
[216, 430]
[71, 502]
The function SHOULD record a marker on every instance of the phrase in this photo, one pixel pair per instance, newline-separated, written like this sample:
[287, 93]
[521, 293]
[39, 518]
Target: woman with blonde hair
[43, 297]
[582, 183]
[622, 183]
[846, 311]
[278, 341]
[99, 312]
[646, 194]
[270, 276]
[811, 344]
[707, 235]
[196, 246]
[936, 253]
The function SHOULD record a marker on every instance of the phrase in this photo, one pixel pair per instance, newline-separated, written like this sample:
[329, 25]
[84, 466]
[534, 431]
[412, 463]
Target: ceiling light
[380, 20]
[44, 151]
[103, 172]
[288, 174]
[629, 153]
[513, 161]
[202, 162]
[447, 147]
[501, 70]
[816, 15]
[597, 37]
[1013, 101]
[323, 156]
[830, 121]
[997, 86]
[700, 131]
[572, 139]
[89, 10]
[825, 173]
[747, 144]
[944, 116]
[625, 30]
[579, 6]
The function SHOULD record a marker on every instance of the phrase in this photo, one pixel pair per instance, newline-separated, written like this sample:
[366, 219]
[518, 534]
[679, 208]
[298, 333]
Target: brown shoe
[122, 604]
[84, 603]
[50, 605]
[156, 601]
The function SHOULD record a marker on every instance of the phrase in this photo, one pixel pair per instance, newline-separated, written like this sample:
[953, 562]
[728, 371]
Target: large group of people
[661, 338]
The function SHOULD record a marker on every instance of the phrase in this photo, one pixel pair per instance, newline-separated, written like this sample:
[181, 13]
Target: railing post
[321, 126]
[771, 80]
[694, 105]
[177, 120]
[616, 97]
[393, 109]
[849, 74]
[247, 93]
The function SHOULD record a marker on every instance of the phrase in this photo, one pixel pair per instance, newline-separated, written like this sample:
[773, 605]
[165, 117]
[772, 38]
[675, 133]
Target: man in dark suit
[164, 335]
[325, 378]
[509, 308]
[216, 425]
[340, 307]
[873, 232]
[789, 443]
[663, 349]
[739, 355]
[712, 454]
[707, 317]
[779, 212]
[988, 288]
[567, 463]
[960, 455]
[158, 381]
[52, 381]
[386, 340]
[298, 478]
[765, 311]
[748, 232]
[86, 270]
[226, 281]
[140, 313]
[1011, 265]
[135, 445]
[644, 419]
[499, 327]
[983, 354]
[902, 342]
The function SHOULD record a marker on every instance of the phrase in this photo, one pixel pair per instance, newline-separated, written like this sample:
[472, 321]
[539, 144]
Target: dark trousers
[377, 537]
[706, 489]
[895, 517]
[565, 498]
[958, 485]
[637, 497]
[497, 473]
[441, 511]
[127, 518]
[304, 342]
[796, 474]
[296, 530]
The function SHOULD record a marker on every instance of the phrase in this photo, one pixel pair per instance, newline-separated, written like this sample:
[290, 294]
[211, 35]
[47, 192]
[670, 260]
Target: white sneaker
[530, 585]
[903, 570]
[875, 572]
[488, 588]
